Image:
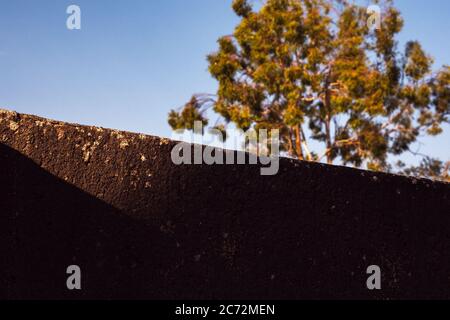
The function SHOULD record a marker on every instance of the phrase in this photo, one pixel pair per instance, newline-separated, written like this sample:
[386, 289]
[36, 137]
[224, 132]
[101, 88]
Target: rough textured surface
[140, 227]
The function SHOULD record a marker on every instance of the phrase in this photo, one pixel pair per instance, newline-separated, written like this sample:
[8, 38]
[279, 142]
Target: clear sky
[134, 60]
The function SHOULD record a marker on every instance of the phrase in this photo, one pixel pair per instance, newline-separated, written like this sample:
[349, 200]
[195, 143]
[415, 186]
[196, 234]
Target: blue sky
[134, 60]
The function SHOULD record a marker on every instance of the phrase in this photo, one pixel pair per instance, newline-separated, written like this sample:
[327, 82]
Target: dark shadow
[47, 224]
[222, 232]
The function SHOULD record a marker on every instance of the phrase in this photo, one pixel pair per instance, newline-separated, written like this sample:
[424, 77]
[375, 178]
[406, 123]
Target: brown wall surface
[141, 227]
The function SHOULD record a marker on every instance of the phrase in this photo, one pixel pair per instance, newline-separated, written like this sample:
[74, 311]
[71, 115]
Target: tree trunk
[298, 143]
[327, 123]
[328, 137]
[291, 146]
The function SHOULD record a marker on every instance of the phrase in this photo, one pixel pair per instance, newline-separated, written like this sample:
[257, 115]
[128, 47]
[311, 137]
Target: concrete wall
[141, 227]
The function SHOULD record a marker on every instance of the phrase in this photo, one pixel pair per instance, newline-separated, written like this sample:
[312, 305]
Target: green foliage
[429, 167]
[314, 64]
[190, 113]
[242, 8]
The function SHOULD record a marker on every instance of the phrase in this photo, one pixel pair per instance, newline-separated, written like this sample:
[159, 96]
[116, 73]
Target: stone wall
[141, 227]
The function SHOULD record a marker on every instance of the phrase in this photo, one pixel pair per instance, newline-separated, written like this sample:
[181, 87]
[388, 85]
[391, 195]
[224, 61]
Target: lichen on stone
[39, 123]
[60, 133]
[88, 150]
[14, 126]
[164, 141]
[123, 144]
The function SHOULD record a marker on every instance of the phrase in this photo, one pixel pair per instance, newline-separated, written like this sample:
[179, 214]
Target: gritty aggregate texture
[139, 226]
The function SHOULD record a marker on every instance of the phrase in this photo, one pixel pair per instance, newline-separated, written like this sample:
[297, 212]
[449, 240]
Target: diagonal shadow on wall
[308, 233]
[47, 224]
